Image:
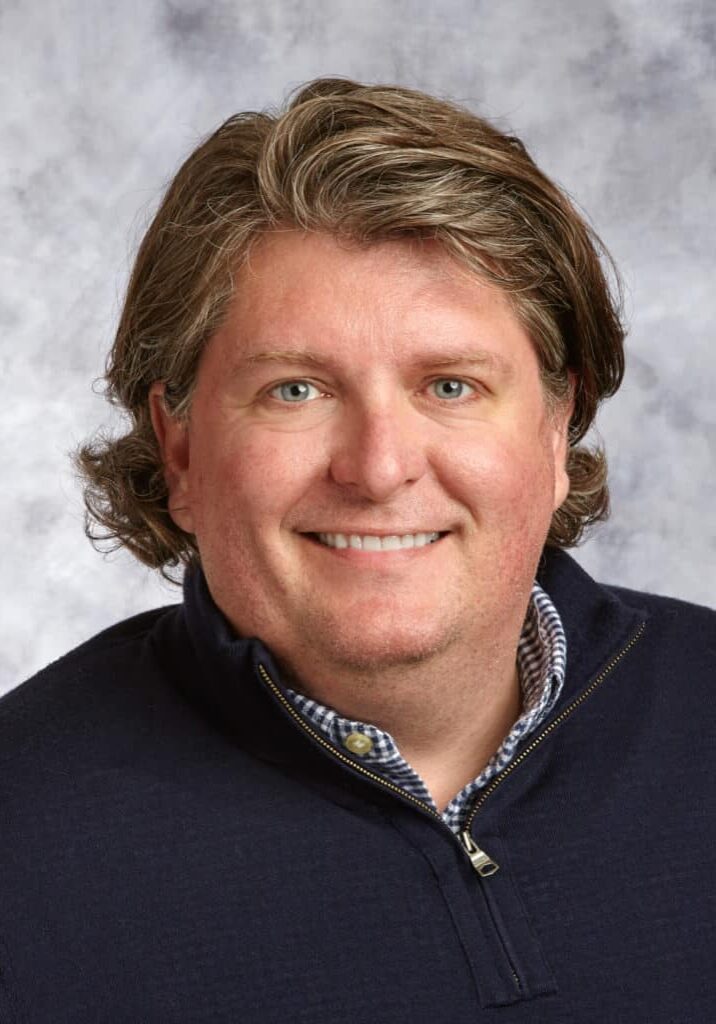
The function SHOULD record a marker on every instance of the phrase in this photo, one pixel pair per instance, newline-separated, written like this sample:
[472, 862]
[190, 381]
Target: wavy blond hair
[365, 163]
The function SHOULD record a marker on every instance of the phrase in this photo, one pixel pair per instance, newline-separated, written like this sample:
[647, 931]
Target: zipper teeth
[489, 788]
[492, 786]
[336, 753]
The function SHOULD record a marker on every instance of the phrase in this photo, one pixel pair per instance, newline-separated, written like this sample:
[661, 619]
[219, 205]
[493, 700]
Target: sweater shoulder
[94, 681]
[678, 631]
[683, 613]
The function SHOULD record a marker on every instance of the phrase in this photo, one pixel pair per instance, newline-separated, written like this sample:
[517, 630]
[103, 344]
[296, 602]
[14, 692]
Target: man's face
[379, 392]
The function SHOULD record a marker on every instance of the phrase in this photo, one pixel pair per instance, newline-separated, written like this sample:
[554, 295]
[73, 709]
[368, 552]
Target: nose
[378, 450]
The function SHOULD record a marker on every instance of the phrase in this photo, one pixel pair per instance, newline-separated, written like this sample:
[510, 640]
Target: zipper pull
[482, 862]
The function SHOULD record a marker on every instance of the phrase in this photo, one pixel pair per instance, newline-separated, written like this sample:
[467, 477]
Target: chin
[376, 648]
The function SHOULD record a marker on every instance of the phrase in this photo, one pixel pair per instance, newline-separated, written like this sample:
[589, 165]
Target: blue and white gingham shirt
[541, 662]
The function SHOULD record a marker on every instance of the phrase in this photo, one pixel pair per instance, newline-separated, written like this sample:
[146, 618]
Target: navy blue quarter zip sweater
[179, 845]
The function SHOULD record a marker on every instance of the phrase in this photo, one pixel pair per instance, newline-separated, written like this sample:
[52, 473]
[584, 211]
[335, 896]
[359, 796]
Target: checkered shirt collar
[541, 664]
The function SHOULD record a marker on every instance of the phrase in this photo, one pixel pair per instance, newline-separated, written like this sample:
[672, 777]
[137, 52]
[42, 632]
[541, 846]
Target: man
[395, 757]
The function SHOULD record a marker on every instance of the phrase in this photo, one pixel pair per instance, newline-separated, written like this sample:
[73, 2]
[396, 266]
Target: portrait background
[101, 103]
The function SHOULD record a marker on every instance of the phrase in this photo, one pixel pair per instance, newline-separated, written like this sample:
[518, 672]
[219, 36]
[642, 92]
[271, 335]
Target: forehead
[403, 299]
[283, 263]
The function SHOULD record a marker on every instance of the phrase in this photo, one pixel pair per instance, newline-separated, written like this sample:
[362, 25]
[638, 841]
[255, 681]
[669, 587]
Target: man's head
[366, 167]
[356, 403]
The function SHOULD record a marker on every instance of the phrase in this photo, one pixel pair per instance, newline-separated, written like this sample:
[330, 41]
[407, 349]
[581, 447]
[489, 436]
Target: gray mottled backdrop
[101, 102]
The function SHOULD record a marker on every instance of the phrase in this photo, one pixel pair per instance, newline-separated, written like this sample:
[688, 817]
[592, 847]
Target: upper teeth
[369, 542]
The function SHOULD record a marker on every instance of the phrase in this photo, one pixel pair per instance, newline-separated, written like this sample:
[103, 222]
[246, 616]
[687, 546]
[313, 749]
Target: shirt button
[358, 743]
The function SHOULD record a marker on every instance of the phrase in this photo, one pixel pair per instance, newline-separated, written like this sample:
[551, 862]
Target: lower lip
[358, 556]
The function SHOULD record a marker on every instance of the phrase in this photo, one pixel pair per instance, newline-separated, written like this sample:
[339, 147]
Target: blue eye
[453, 388]
[294, 391]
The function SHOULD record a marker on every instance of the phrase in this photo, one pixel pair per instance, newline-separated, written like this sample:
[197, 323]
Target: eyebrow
[284, 356]
[439, 359]
[476, 357]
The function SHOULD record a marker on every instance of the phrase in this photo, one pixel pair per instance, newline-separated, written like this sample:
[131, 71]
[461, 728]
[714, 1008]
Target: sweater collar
[221, 670]
[598, 620]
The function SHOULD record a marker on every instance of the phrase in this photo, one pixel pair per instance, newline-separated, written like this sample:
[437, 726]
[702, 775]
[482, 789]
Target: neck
[447, 715]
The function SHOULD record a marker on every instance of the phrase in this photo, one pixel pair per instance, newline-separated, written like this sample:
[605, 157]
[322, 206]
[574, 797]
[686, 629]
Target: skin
[421, 643]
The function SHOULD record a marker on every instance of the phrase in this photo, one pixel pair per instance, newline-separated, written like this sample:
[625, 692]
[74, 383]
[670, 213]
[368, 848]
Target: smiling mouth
[373, 542]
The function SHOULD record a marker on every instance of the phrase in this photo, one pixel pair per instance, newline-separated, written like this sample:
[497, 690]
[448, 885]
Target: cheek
[248, 482]
[501, 479]
[507, 488]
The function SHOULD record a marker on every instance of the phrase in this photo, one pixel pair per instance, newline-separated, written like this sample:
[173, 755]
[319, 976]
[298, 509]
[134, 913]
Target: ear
[173, 438]
[562, 417]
